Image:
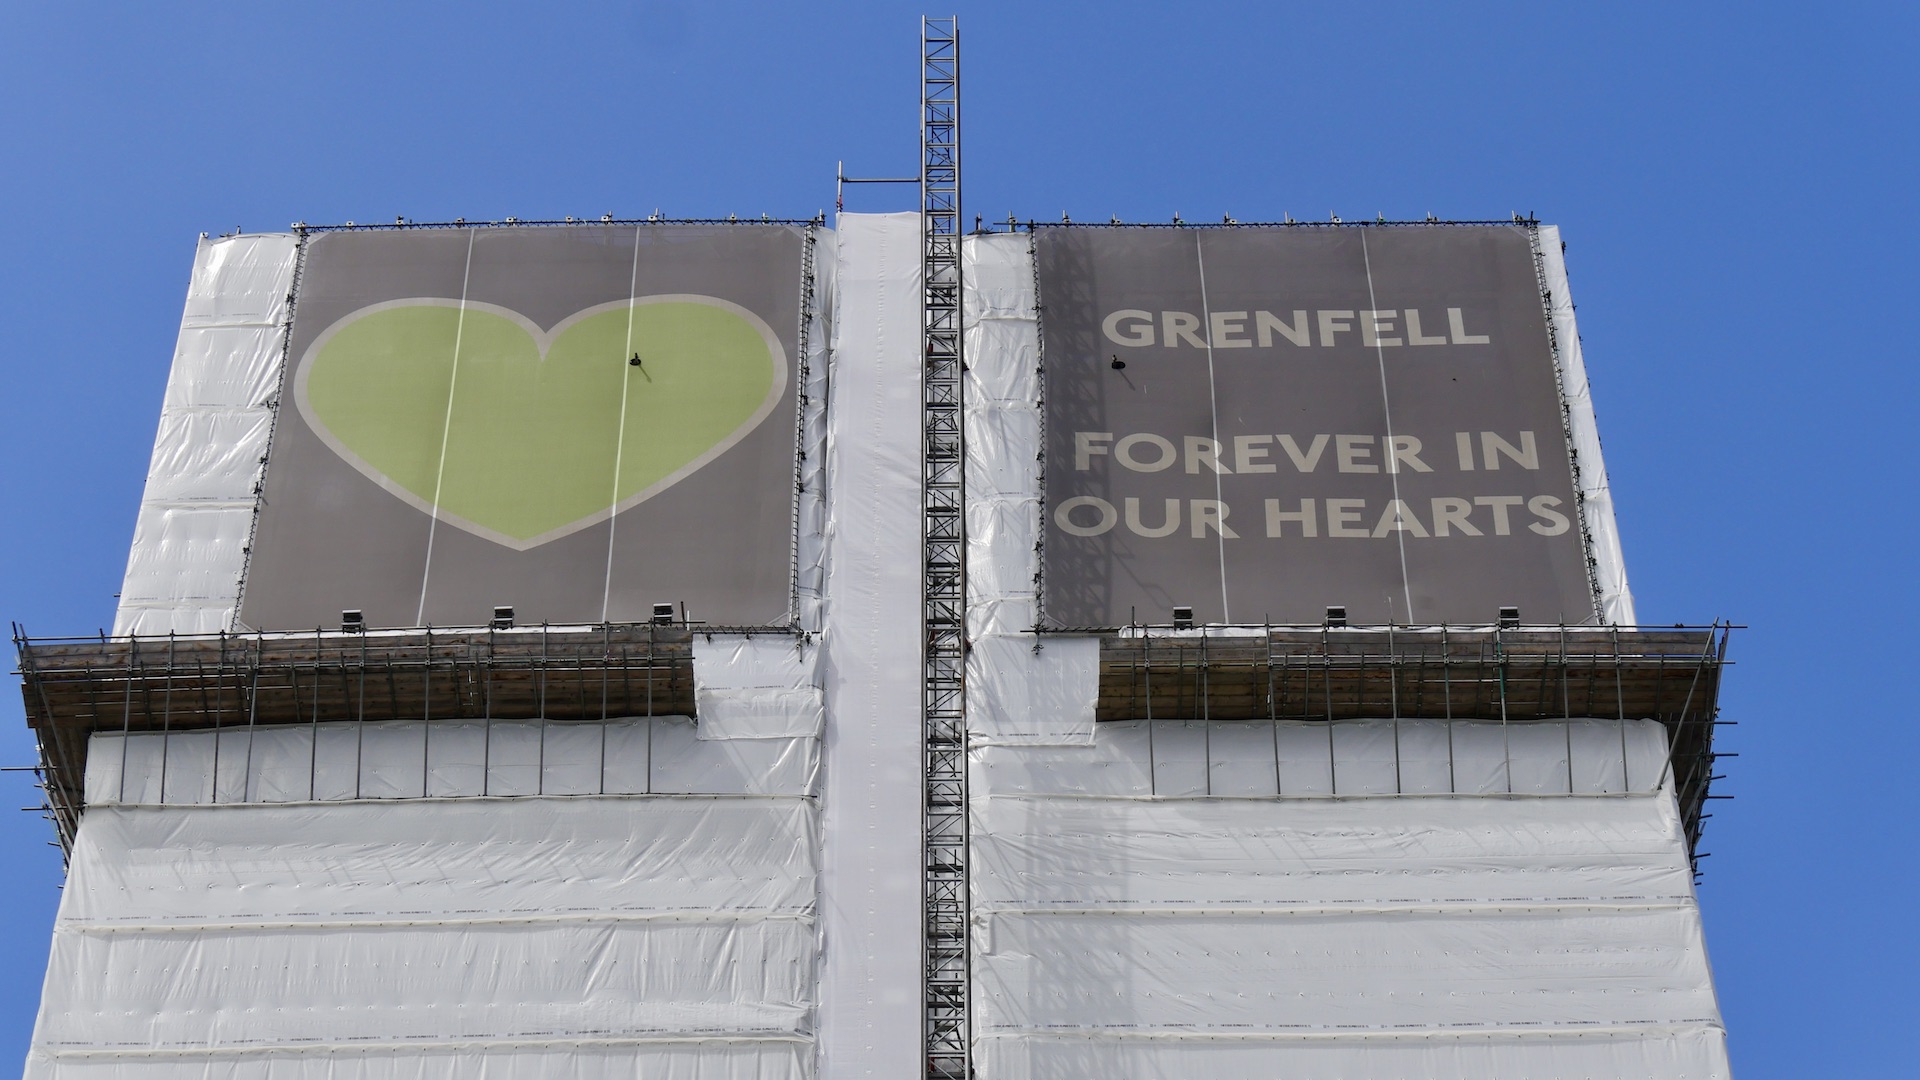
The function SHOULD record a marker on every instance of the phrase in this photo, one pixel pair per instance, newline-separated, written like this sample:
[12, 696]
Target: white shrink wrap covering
[1022, 689]
[588, 937]
[447, 759]
[1378, 898]
[811, 510]
[1001, 413]
[1033, 691]
[1065, 854]
[870, 981]
[183, 571]
[1692, 1052]
[189, 549]
[581, 1059]
[1596, 495]
[386, 862]
[1295, 758]
[764, 686]
[1325, 970]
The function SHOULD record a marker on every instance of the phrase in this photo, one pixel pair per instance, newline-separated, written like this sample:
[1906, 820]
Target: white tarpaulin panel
[1341, 970]
[437, 937]
[1032, 692]
[1002, 417]
[870, 1005]
[1696, 1052]
[1258, 899]
[1020, 691]
[588, 1059]
[1222, 854]
[1348, 757]
[189, 548]
[764, 686]
[458, 978]
[811, 508]
[1596, 495]
[381, 862]
[408, 759]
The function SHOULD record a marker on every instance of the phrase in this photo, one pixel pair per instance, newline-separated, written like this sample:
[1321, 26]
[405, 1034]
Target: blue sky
[1735, 182]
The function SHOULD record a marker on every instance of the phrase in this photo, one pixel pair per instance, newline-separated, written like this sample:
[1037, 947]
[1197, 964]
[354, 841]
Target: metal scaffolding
[1502, 674]
[76, 687]
[943, 549]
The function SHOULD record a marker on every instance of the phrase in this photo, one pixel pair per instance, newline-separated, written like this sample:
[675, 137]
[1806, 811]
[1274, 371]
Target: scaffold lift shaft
[943, 550]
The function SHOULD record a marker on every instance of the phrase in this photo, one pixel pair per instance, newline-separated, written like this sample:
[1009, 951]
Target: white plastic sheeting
[764, 686]
[1002, 393]
[811, 509]
[1374, 898]
[1596, 496]
[437, 937]
[870, 1007]
[1048, 853]
[1033, 692]
[1252, 758]
[1021, 690]
[584, 1058]
[408, 759]
[189, 547]
[1687, 1052]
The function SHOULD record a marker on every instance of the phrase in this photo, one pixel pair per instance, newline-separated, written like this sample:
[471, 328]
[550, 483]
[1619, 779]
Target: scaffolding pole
[943, 549]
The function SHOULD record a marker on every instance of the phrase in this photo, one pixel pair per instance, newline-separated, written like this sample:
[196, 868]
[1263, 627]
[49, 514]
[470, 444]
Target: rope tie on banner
[620, 435]
[1393, 462]
[446, 432]
[1213, 405]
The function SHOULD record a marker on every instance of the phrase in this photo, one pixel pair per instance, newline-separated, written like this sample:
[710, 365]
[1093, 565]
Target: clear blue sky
[1735, 181]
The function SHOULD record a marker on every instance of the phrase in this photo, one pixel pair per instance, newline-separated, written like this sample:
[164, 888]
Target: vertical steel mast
[943, 550]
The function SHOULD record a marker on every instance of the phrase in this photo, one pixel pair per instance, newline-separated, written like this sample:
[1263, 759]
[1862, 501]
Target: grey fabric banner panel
[577, 421]
[1261, 423]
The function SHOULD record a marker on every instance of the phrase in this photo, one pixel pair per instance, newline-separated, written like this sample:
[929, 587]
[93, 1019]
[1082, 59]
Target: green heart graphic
[540, 420]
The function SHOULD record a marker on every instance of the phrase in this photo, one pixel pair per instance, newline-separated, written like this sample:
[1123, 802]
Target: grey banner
[1264, 422]
[575, 421]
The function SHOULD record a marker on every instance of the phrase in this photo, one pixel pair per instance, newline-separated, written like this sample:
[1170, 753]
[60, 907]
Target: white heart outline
[543, 339]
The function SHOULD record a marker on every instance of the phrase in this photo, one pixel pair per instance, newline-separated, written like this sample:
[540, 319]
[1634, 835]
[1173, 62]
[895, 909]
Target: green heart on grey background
[477, 415]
